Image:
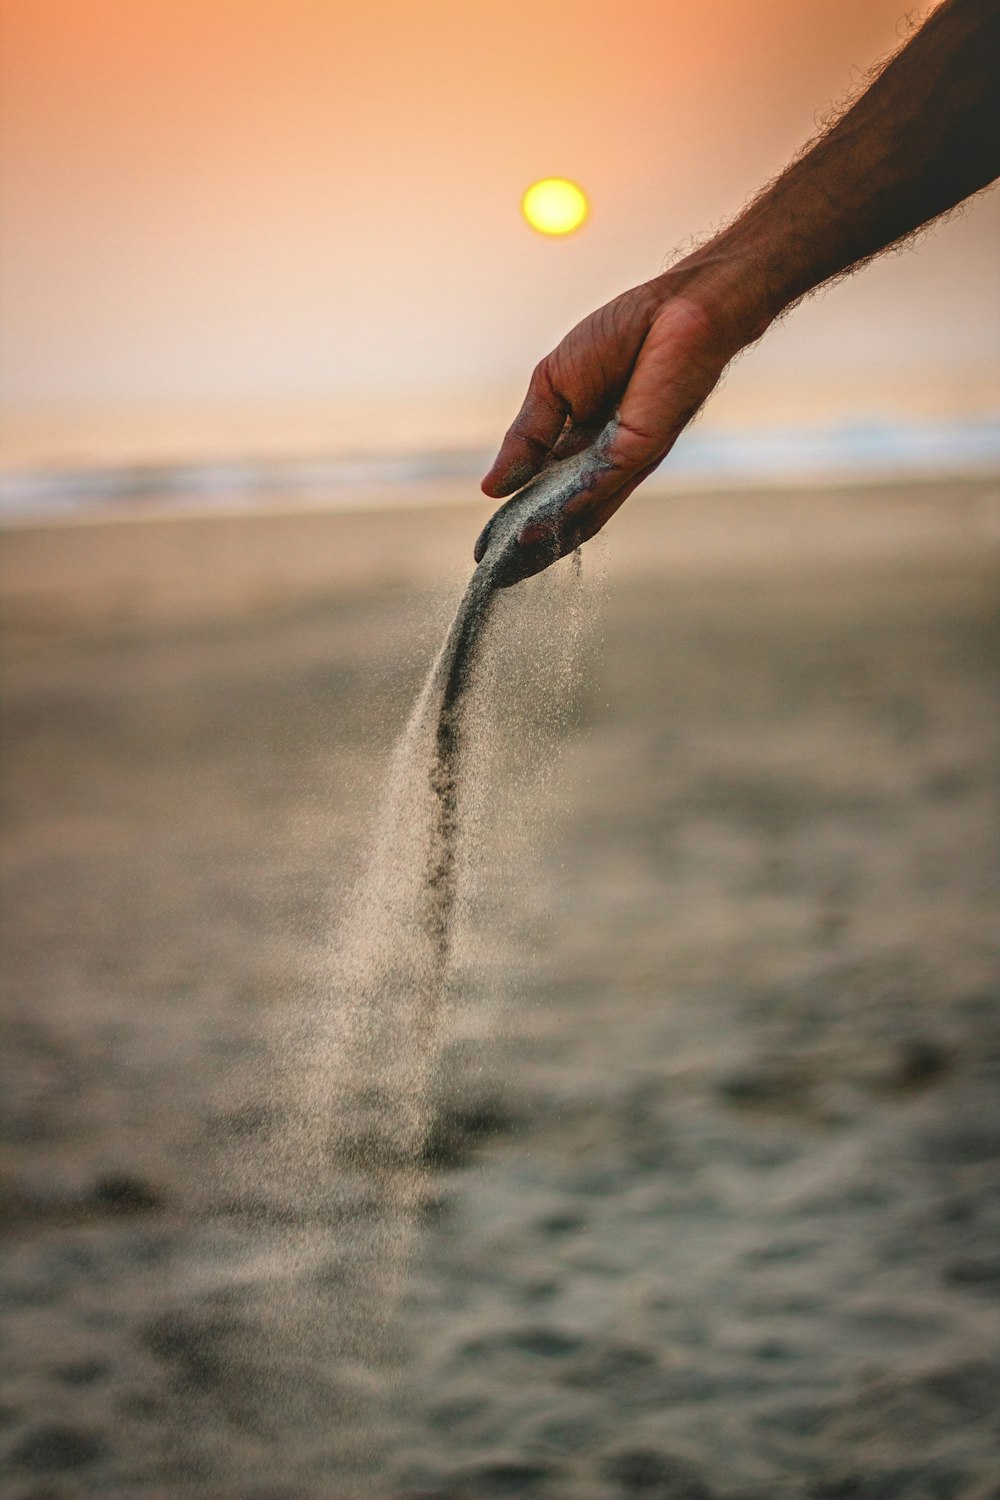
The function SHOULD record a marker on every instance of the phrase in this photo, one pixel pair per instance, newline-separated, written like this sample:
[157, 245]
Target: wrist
[724, 284]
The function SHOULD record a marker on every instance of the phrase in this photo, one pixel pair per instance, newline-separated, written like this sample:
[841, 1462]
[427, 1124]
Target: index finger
[530, 437]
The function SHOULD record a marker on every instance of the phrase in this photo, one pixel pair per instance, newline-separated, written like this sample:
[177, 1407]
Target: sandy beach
[709, 1207]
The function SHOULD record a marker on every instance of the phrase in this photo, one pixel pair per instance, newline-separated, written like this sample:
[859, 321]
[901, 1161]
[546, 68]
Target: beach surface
[709, 1207]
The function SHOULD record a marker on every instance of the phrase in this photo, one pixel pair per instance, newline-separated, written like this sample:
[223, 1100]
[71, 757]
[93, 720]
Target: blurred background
[709, 1203]
[243, 230]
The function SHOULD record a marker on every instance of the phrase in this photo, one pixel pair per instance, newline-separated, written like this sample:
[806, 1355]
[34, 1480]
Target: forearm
[923, 137]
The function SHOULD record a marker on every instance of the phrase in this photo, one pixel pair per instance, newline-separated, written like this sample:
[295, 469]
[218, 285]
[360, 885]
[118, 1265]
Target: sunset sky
[255, 203]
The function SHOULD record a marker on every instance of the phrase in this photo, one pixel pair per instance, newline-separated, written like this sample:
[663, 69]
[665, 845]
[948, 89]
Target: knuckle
[521, 432]
[543, 381]
[631, 446]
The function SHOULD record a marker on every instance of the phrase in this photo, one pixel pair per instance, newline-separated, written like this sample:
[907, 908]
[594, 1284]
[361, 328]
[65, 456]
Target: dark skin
[922, 138]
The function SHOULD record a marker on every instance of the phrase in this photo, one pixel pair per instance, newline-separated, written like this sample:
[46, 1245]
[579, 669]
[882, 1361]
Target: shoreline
[854, 451]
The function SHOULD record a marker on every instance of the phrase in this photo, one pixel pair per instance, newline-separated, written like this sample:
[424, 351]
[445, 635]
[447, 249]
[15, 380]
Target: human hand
[623, 383]
[626, 381]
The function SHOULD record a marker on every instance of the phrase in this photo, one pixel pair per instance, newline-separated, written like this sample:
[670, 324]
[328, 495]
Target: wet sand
[711, 1200]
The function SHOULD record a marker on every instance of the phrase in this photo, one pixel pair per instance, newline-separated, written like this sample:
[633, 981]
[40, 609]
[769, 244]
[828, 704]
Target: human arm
[628, 379]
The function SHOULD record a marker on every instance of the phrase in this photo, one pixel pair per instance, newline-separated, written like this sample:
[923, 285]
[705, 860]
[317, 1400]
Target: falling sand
[348, 1174]
[398, 941]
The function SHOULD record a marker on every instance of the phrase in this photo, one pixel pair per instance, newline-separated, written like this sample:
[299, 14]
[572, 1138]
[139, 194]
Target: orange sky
[274, 200]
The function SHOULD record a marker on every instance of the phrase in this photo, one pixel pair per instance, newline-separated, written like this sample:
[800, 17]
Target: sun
[554, 206]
